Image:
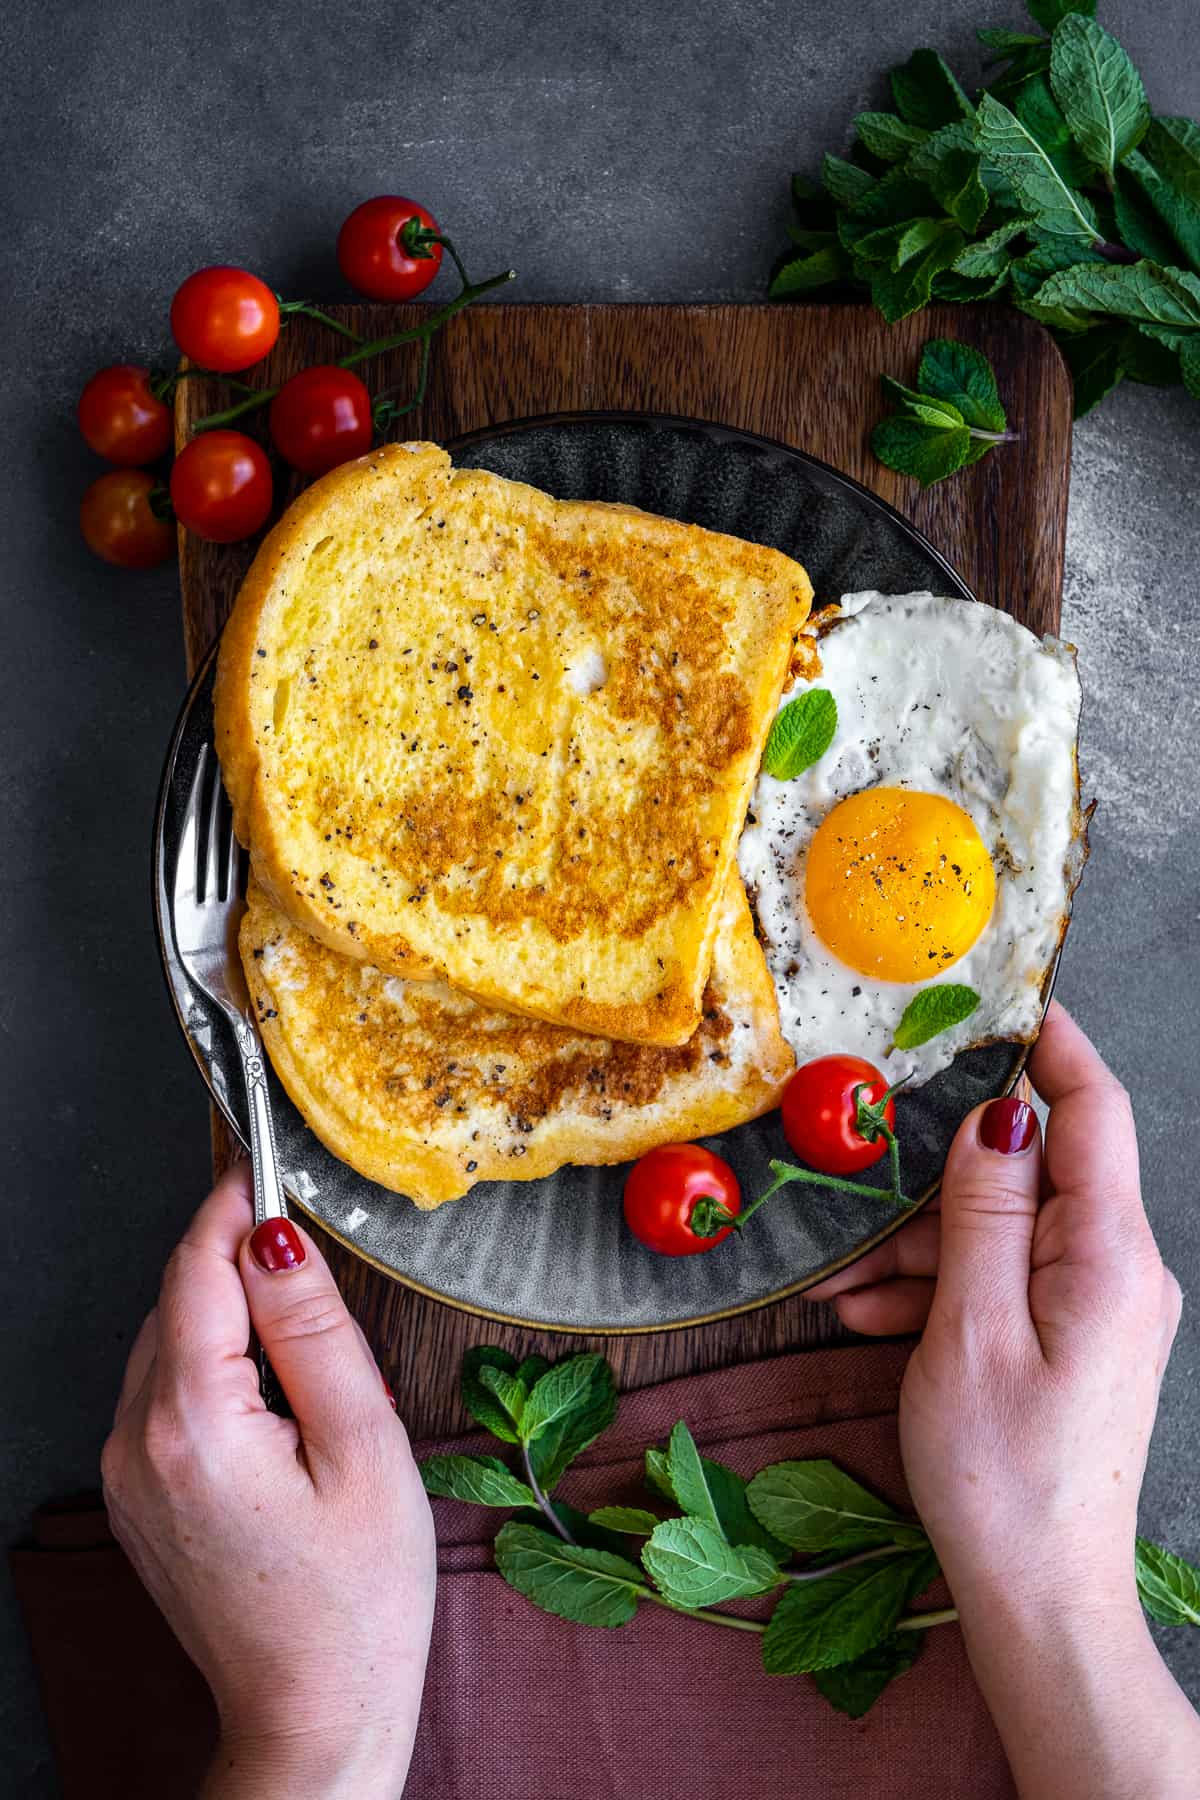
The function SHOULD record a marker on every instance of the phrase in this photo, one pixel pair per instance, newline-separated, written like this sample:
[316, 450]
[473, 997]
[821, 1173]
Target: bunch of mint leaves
[1057, 192]
[708, 1536]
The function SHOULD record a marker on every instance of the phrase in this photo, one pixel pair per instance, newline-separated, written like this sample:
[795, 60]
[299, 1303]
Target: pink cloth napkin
[520, 1706]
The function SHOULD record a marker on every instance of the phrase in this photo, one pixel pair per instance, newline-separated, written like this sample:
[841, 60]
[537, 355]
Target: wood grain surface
[807, 375]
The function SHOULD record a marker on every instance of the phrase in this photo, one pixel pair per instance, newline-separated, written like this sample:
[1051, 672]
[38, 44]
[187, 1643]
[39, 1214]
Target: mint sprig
[843, 1614]
[952, 417]
[1055, 167]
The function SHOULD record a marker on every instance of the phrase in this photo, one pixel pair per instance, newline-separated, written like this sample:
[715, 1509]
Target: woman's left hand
[293, 1558]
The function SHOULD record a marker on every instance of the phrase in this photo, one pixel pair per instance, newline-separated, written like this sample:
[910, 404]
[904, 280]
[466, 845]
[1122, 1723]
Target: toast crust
[427, 1092]
[475, 732]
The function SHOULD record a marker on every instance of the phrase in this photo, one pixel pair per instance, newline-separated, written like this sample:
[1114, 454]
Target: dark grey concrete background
[621, 152]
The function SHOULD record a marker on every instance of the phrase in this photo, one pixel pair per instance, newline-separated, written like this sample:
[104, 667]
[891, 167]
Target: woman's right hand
[293, 1558]
[1025, 1419]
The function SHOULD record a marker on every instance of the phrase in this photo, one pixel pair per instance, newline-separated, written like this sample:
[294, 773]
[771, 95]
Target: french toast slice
[474, 731]
[426, 1091]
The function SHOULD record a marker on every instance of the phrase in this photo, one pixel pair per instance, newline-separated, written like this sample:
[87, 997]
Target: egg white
[942, 696]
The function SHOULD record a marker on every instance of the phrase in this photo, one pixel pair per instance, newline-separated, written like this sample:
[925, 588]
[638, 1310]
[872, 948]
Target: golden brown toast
[472, 730]
[426, 1091]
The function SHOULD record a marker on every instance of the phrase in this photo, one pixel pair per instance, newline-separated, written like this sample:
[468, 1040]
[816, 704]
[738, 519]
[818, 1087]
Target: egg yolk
[899, 884]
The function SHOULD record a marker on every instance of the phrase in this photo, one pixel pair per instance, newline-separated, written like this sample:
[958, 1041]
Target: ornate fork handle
[269, 1202]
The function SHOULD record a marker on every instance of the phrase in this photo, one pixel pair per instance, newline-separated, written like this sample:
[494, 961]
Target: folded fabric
[521, 1706]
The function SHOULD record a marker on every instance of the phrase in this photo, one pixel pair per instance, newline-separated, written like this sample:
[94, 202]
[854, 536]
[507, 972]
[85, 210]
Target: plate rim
[164, 934]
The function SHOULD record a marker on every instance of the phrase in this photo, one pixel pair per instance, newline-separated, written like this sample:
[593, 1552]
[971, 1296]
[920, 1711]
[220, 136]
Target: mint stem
[541, 1499]
[922, 1621]
[864, 1556]
[994, 437]
[701, 1612]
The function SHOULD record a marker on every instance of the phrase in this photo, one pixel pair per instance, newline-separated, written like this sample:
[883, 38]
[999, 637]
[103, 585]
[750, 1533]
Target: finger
[990, 1191]
[374, 1361]
[892, 1310]
[333, 1387]
[203, 1322]
[913, 1250]
[141, 1361]
[1172, 1310]
[1091, 1152]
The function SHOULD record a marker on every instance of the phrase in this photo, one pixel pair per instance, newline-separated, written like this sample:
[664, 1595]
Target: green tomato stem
[471, 291]
[289, 307]
[787, 1172]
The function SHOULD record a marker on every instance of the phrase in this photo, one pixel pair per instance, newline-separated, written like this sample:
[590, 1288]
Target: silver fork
[207, 910]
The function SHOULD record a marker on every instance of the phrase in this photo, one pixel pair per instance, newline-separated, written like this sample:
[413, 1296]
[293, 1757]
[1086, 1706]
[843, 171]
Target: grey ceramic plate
[555, 1252]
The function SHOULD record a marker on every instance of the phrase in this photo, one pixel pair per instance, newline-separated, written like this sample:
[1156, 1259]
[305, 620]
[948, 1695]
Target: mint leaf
[914, 238]
[1099, 90]
[1050, 13]
[1031, 62]
[989, 255]
[886, 136]
[927, 452]
[801, 733]
[508, 1391]
[691, 1564]
[926, 92]
[479, 1401]
[948, 164]
[1010, 147]
[532, 1370]
[1178, 212]
[685, 1472]
[1145, 359]
[581, 1528]
[932, 1011]
[658, 1474]
[1034, 104]
[964, 377]
[1008, 40]
[589, 1587]
[800, 274]
[907, 290]
[845, 181]
[816, 1506]
[483, 1480]
[725, 1500]
[949, 286]
[818, 1624]
[854, 1687]
[1096, 361]
[566, 1411]
[1167, 301]
[634, 1520]
[1189, 363]
[1173, 146]
[1168, 1587]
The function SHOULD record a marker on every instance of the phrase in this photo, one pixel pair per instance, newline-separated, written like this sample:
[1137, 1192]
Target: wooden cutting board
[808, 375]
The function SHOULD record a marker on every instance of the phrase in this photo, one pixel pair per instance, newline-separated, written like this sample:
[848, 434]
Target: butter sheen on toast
[475, 732]
[426, 1091]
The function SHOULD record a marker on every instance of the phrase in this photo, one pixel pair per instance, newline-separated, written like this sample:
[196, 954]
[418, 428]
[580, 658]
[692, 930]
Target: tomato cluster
[838, 1115]
[224, 320]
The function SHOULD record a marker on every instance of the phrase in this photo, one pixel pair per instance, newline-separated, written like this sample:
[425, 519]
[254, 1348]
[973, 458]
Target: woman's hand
[1025, 1418]
[293, 1558]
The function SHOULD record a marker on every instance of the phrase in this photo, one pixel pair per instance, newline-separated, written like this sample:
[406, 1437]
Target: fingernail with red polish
[387, 1390]
[1007, 1126]
[276, 1245]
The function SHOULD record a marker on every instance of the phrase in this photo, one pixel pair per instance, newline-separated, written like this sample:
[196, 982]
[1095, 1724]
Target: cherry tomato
[819, 1113]
[663, 1190]
[221, 486]
[121, 419]
[375, 256]
[320, 418]
[118, 524]
[224, 318]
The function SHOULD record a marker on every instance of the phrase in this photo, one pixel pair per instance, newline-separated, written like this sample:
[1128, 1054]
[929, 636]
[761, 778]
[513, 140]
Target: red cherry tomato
[118, 524]
[663, 1189]
[376, 254]
[221, 486]
[121, 419]
[224, 318]
[320, 418]
[819, 1113]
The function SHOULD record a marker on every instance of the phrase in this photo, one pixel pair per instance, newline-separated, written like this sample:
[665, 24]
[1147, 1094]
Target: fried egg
[938, 839]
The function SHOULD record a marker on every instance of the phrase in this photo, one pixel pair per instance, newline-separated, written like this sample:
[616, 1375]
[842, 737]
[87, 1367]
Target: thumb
[332, 1386]
[990, 1196]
